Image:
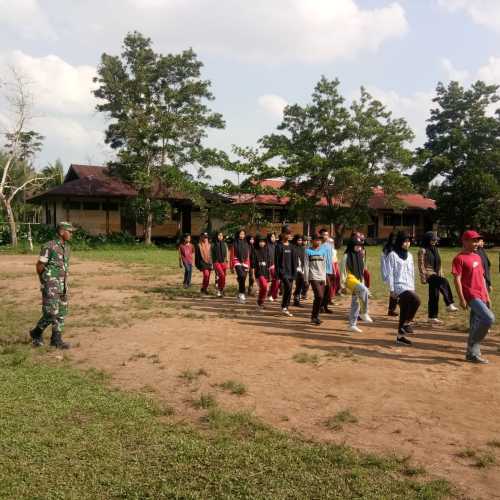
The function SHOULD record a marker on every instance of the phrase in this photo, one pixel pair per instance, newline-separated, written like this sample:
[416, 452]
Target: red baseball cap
[471, 235]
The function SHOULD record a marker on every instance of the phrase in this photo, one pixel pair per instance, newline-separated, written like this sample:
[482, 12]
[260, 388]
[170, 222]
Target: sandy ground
[424, 402]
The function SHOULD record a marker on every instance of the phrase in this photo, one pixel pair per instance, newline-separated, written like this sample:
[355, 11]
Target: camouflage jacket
[55, 255]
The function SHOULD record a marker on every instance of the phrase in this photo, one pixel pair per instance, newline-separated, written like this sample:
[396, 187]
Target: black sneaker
[36, 338]
[57, 342]
[326, 310]
[315, 321]
[392, 313]
[476, 359]
[402, 340]
[296, 303]
[408, 329]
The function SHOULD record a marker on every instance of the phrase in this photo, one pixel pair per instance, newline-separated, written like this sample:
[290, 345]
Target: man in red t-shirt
[467, 268]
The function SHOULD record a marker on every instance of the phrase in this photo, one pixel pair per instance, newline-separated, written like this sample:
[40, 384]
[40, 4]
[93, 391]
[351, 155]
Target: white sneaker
[452, 308]
[241, 298]
[270, 298]
[219, 293]
[435, 321]
[286, 312]
[354, 328]
[366, 318]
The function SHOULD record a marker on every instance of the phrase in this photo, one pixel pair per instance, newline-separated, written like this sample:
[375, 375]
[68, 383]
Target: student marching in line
[298, 242]
[240, 262]
[472, 291]
[401, 274]
[275, 282]
[329, 248]
[431, 273]
[186, 259]
[261, 264]
[305, 288]
[384, 271]
[251, 277]
[315, 274]
[286, 263]
[220, 255]
[352, 272]
[203, 261]
[486, 263]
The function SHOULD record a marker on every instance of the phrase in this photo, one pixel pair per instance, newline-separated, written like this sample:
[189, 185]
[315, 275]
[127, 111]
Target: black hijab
[355, 261]
[389, 244]
[219, 249]
[401, 237]
[241, 248]
[432, 256]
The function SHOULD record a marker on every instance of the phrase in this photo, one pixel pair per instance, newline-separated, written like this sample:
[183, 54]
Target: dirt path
[423, 402]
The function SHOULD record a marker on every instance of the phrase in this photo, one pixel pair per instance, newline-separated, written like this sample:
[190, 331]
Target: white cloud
[57, 85]
[483, 12]
[414, 108]
[453, 73]
[272, 104]
[27, 18]
[258, 30]
[490, 72]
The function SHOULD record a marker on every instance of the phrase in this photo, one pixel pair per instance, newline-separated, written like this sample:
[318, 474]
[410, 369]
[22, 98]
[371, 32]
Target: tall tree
[337, 153]
[159, 118]
[462, 156]
[54, 173]
[16, 172]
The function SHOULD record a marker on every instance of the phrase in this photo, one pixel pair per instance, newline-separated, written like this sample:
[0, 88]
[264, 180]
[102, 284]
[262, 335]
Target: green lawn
[65, 434]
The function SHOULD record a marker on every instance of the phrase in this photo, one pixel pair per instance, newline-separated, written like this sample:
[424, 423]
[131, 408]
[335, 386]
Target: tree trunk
[339, 235]
[148, 223]
[12, 222]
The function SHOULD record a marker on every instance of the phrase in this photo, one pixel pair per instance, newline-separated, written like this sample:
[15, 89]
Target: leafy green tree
[54, 174]
[330, 151]
[159, 118]
[462, 156]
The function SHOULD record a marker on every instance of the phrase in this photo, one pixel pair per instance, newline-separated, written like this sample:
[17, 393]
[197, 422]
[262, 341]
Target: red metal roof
[377, 202]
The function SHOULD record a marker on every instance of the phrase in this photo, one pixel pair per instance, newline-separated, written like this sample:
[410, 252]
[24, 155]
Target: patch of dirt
[424, 402]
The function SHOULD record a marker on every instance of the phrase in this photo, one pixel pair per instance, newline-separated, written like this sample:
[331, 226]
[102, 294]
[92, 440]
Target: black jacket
[486, 266]
[219, 252]
[262, 262]
[286, 269]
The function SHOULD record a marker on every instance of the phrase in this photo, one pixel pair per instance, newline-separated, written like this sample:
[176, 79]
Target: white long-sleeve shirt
[401, 273]
[384, 267]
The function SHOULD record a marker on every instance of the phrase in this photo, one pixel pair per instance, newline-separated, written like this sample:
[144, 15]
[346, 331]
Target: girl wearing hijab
[240, 262]
[203, 261]
[431, 273]
[286, 262]
[275, 282]
[261, 264]
[220, 259]
[186, 254]
[352, 271]
[384, 257]
[401, 279]
[251, 276]
[298, 241]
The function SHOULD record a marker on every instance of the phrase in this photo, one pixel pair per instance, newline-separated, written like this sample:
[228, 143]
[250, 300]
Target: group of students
[276, 264]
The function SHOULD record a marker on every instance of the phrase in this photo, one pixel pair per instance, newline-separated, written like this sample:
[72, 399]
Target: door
[186, 220]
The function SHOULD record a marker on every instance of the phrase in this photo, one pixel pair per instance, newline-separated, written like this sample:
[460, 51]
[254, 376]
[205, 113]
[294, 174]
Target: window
[268, 215]
[112, 207]
[91, 205]
[72, 205]
[410, 220]
[392, 220]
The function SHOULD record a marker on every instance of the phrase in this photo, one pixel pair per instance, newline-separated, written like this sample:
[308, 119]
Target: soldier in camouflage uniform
[52, 269]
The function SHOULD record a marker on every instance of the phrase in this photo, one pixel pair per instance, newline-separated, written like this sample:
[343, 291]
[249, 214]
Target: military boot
[36, 337]
[57, 341]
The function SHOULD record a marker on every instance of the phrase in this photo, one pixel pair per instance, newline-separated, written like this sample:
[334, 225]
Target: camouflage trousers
[54, 306]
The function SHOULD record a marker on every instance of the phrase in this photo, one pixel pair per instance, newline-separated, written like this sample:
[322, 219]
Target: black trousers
[408, 307]
[437, 285]
[241, 276]
[393, 303]
[251, 280]
[318, 288]
[300, 287]
[326, 295]
[287, 284]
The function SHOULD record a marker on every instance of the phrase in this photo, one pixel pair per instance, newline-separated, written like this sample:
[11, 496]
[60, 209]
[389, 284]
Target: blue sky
[259, 55]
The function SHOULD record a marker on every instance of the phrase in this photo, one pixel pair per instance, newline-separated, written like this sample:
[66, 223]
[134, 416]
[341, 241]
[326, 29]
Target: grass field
[65, 434]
